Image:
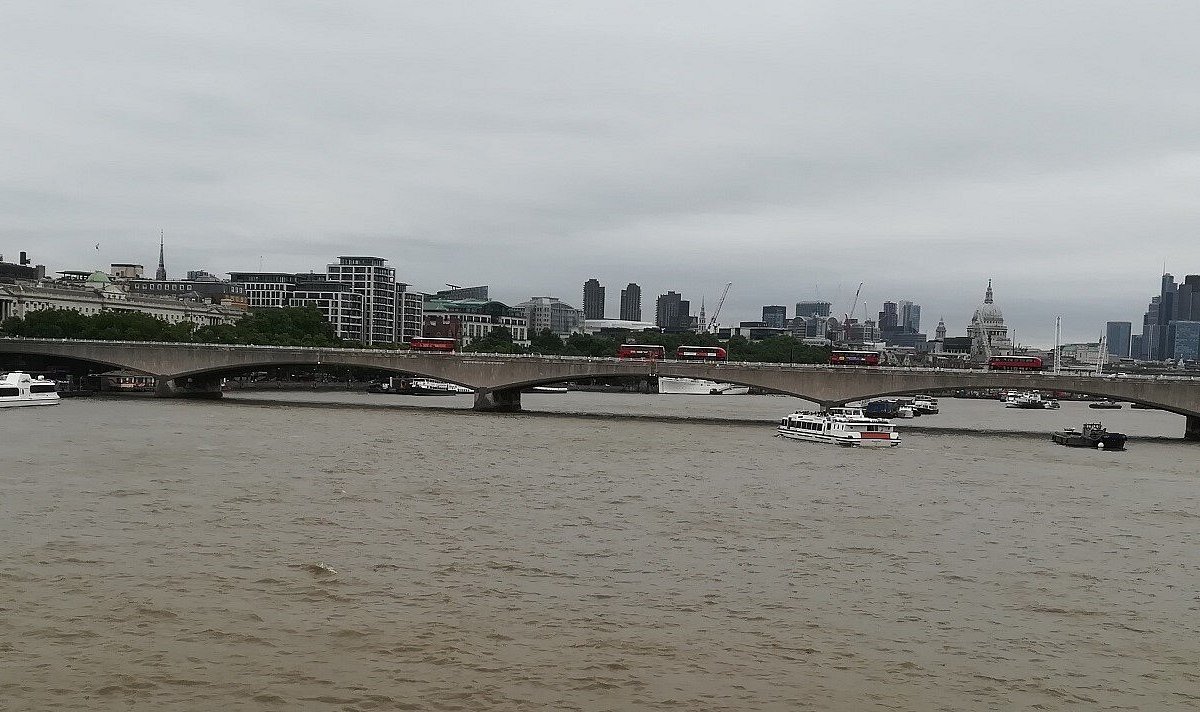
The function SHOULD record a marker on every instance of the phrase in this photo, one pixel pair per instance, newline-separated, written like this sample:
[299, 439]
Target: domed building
[989, 335]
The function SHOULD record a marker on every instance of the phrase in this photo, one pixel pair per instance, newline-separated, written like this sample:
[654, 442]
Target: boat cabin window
[42, 388]
[10, 391]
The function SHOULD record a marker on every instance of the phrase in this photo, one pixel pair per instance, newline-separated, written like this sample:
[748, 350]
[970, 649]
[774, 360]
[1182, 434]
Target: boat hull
[668, 385]
[26, 403]
[891, 441]
[1074, 438]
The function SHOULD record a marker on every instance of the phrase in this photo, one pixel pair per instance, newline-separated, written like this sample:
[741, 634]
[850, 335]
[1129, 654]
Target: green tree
[497, 341]
[590, 345]
[545, 342]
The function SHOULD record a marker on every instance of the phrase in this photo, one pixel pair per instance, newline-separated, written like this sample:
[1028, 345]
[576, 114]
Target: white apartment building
[341, 306]
[376, 282]
[410, 313]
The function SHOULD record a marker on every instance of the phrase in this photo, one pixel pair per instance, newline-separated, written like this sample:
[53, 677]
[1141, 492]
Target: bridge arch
[228, 370]
[1093, 392]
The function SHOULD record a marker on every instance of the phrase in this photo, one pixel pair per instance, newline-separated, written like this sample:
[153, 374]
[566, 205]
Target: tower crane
[711, 326]
[853, 306]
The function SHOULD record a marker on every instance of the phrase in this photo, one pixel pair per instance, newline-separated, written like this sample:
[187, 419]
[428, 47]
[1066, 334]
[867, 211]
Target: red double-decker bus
[1014, 363]
[431, 343]
[854, 358]
[648, 351]
[700, 353]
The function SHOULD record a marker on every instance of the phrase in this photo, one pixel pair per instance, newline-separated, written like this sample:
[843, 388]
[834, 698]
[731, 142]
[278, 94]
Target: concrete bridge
[196, 370]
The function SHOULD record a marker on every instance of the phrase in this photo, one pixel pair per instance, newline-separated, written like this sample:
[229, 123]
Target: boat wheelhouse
[848, 427]
[20, 389]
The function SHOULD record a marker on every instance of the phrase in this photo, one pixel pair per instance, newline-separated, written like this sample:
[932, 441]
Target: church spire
[987, 298]
[161, 274]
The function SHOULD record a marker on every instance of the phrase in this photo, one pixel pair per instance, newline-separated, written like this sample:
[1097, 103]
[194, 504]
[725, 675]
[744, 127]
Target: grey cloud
[920, 148]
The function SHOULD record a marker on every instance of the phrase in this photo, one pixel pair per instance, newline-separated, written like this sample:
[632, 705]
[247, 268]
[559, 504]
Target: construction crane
[853, 306]
[711, 326]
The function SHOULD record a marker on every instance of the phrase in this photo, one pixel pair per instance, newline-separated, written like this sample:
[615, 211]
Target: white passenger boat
[925, 405]
[848, 427]
[697, 386]
[20, 389]
[419, 387]
[1031, 400]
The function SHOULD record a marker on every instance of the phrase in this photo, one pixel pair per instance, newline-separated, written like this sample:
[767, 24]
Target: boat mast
[1057, 336]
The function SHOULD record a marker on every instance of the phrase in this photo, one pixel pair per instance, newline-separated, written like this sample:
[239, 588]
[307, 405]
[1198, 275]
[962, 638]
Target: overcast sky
[792, 148]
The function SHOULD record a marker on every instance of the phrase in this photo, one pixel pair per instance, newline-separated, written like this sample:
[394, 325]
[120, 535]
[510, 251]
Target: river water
[167, 555]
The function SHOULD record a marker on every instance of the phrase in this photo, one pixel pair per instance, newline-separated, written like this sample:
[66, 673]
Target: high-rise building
[889, 318]
[1137, 347]
[1118, 335]
[775, 316]
[910, 317]
[1187, 299]
[672, 312]
[1166, 314]
[593, 299]
[631, 303]
[1150, 329]
[1184, 339]
[818, 308]
[376, 282]
[410, 313]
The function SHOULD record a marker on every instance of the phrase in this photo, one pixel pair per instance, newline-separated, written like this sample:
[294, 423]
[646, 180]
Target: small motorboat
[1105, 405]
[20, 389]
[1092, 435]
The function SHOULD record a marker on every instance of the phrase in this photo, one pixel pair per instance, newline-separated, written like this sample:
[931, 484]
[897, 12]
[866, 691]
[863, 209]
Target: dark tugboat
[1092, 435]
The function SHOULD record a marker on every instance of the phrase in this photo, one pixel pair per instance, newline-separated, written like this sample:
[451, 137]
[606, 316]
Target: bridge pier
[1191, 431]
[206, 387]
[498, 401]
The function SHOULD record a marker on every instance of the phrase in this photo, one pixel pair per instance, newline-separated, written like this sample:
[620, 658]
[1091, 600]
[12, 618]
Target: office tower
[1137, 347]
[910, 317]
[593, 299]
[1187, 299]
[1118, 335]
[1166, 314]
[818, 308]
[631, 303]
[889, 318]
[775, 316]
[1184, 339]
[672, 311]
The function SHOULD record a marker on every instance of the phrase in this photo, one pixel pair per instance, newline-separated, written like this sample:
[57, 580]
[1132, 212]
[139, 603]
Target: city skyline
[511, 294]
[1049, 149]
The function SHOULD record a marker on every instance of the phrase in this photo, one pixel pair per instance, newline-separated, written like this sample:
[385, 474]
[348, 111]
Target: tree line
[290, 326]
[305, 326]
